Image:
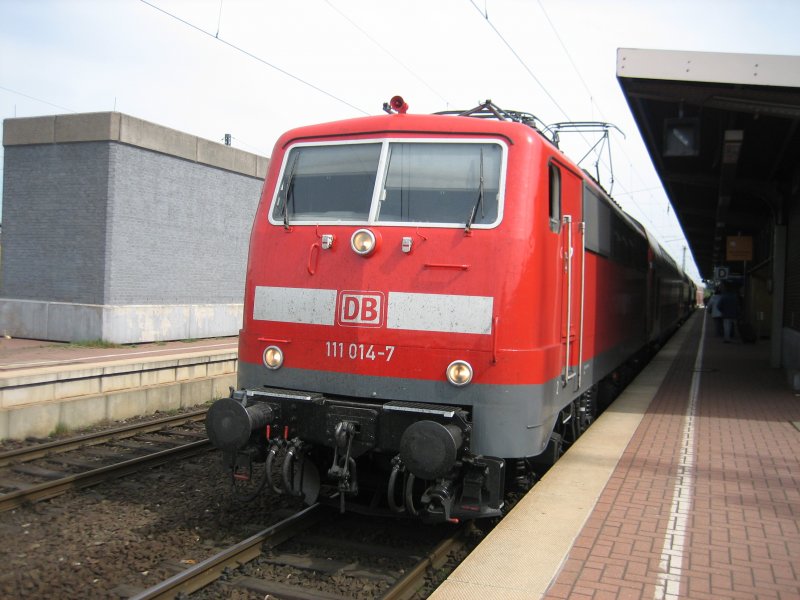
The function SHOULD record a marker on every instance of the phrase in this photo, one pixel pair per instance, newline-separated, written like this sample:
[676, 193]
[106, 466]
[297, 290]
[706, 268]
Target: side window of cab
[555, 197]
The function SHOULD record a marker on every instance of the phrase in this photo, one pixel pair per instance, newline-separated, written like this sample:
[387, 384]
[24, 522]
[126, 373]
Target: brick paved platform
[704, 501]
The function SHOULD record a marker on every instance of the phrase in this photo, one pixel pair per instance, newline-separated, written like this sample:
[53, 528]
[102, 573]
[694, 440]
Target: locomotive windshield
[332, 182]
[393, 182]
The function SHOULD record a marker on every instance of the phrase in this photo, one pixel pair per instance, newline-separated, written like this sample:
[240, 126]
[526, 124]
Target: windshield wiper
[478, 202]
[289, 186]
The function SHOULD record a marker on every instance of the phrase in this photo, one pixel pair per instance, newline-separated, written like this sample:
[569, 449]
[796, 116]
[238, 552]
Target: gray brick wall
[109, 223]
[54, 222]
[178, 230]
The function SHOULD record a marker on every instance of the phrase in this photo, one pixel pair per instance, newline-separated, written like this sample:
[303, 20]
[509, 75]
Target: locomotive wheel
[567, 424]
[576, 417]
[587, 409]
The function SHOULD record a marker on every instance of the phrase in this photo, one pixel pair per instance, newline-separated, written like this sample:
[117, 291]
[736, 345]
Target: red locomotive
[432, 301]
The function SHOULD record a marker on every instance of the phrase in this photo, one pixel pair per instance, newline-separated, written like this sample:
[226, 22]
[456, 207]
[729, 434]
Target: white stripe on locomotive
[444, 313]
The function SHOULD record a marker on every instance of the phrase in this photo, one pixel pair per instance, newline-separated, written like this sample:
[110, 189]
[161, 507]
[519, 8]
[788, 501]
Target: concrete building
[119, 229]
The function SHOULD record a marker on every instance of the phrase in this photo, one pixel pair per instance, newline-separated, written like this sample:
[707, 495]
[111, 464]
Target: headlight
[273, 357]
[363, 242]
[459, 372]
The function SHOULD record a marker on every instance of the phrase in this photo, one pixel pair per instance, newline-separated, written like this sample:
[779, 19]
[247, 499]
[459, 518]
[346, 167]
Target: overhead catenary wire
[593, 103]
[569, 57]
[641, 191]
[249, 146]
[29, 97]
[530, 72]
[586, 86]
[257, 58]
[484, 13]
[387, 52]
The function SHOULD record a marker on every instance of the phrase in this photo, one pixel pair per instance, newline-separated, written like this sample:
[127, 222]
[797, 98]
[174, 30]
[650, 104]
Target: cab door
[569, 186]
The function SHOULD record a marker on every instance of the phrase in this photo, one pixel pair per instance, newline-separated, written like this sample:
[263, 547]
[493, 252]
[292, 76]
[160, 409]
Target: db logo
[360, 309]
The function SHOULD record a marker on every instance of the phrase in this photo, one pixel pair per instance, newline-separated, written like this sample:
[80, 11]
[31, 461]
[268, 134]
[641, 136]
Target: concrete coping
[119, 127]
[58, 373]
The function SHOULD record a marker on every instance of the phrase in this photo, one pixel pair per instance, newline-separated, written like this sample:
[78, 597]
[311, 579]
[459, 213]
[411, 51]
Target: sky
[255, 69]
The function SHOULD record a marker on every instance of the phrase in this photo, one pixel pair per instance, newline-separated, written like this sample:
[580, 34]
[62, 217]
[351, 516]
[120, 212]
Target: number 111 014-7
[358, 351]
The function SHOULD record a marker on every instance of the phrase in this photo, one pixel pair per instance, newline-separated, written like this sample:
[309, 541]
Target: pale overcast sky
[311, 61]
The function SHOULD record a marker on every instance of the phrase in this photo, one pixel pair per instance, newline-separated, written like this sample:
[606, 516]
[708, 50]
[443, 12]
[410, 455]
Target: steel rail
[42, 450]
[50, 489]
[407, 586]
[209, 570]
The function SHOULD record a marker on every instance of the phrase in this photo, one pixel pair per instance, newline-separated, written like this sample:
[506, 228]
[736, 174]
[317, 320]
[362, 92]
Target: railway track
[36, 473]
[282, 551]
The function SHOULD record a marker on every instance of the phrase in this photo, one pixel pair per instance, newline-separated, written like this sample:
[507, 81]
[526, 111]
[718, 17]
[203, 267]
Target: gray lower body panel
[507, 421]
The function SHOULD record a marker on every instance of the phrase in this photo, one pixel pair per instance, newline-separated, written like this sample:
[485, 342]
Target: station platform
[49, 387]
[19, 354]
[688, 486]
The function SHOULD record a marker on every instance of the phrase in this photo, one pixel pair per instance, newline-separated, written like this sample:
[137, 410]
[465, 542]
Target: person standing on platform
[729, 308]
[713, 304]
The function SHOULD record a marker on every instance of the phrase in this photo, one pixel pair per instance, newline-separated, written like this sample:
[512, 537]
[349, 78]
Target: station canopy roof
[723, 134]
